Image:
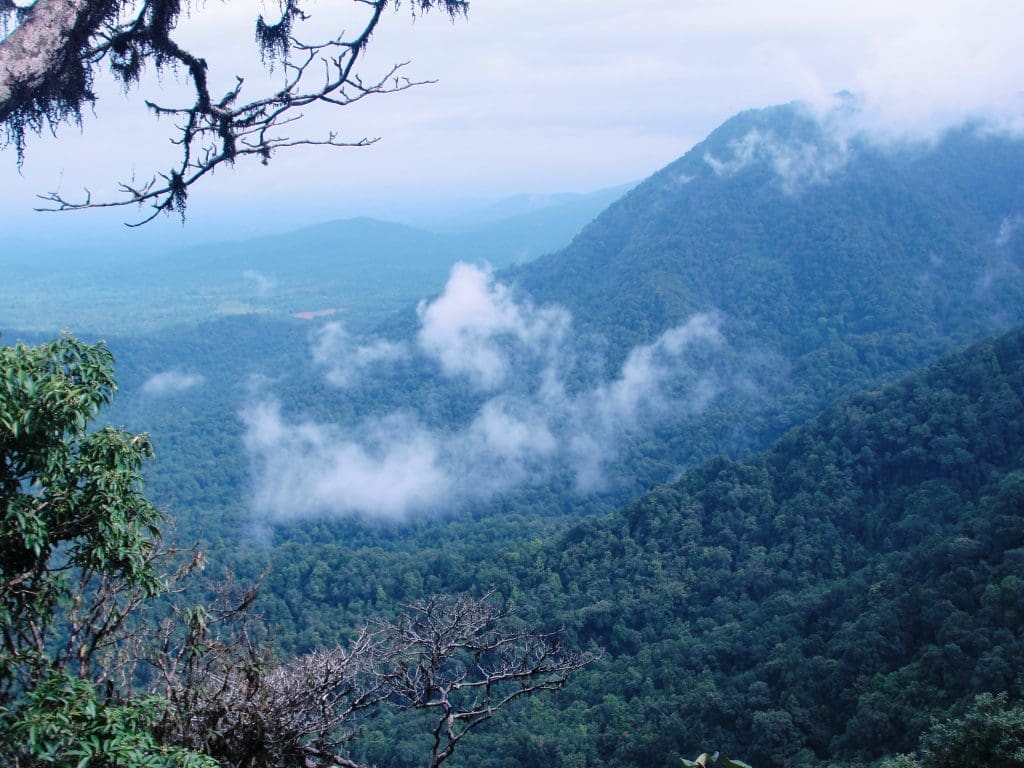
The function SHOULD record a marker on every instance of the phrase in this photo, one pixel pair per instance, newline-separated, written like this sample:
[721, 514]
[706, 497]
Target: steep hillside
[841, 257]
[821, 602]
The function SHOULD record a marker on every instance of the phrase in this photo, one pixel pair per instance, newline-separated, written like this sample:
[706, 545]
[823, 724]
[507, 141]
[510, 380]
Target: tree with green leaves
[989, 733]
[79, 543]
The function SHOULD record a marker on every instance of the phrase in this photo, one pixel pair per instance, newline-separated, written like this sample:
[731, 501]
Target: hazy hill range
[829, 261]
[363, 268]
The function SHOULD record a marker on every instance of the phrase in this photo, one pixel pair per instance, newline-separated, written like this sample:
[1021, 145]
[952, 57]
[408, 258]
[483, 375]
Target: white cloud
[952, 61]
[744, 152]
[796, 164]
[344, 360]
[1008, 229]
[308, 469]
[469, 327]
[640, 395]
[171, 383]
[261, 283]
[530, 425]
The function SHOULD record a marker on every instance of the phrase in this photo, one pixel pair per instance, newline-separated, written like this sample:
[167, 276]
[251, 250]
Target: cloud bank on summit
[530, 425]
[836, 127]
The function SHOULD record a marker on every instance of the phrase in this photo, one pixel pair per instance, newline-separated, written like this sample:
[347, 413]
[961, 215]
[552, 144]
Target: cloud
[170, 383]
[796, 164]
[1008, 228]
[836, 128]
[344, 360]
[261, 283]
[474, 325]
[529, 424]
[744, 152]
[308, 469]
[641, 395]
[955, 61]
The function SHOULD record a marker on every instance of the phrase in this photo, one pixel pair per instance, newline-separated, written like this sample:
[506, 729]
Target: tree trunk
[48, 42]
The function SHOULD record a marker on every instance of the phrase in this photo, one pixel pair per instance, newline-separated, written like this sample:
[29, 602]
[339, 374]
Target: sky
[531, 96]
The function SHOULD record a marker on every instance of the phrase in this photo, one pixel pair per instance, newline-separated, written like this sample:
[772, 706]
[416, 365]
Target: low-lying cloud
[262, 284]
[345, 360]
[471, 326]
[530, 423]
[170, 383]
[840, 124]
[796, 164]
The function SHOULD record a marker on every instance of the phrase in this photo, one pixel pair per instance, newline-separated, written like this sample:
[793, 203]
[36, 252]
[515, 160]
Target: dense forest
[823, 601]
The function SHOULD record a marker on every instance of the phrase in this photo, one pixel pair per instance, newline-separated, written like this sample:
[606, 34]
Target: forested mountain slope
[821, 602]
[843, 256]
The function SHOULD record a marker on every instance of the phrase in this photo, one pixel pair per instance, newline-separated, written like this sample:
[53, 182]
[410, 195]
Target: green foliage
[71, 499]
[820, 604]
[990, 733]
[78, 542]
[64, 723]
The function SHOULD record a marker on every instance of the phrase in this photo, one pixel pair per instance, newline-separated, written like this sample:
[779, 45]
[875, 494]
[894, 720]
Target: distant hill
[367, 268]
[819, 603]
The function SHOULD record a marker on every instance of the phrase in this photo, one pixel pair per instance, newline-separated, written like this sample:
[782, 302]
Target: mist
[843, 124]
[171, 383]
[531, 424]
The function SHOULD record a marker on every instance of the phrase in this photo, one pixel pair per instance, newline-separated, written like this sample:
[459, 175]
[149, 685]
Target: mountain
[570, 208]
[822, 602]
[833, 263]
[819, 603]
[779, 218]
[841, 256]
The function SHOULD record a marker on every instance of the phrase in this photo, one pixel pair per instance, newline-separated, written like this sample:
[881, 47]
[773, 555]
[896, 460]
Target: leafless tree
[455, 659]
[51, 50]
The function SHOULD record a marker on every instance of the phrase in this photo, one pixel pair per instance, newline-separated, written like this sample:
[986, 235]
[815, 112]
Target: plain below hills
[363, 268]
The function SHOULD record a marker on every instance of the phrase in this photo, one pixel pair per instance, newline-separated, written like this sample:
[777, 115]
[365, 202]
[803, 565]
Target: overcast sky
[543, 96]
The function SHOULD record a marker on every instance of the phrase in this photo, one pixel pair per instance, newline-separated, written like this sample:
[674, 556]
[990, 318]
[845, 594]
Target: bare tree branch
[450, 656]
[48, 62]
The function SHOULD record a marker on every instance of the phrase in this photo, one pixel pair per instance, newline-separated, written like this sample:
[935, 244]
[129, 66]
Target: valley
[751, 432]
